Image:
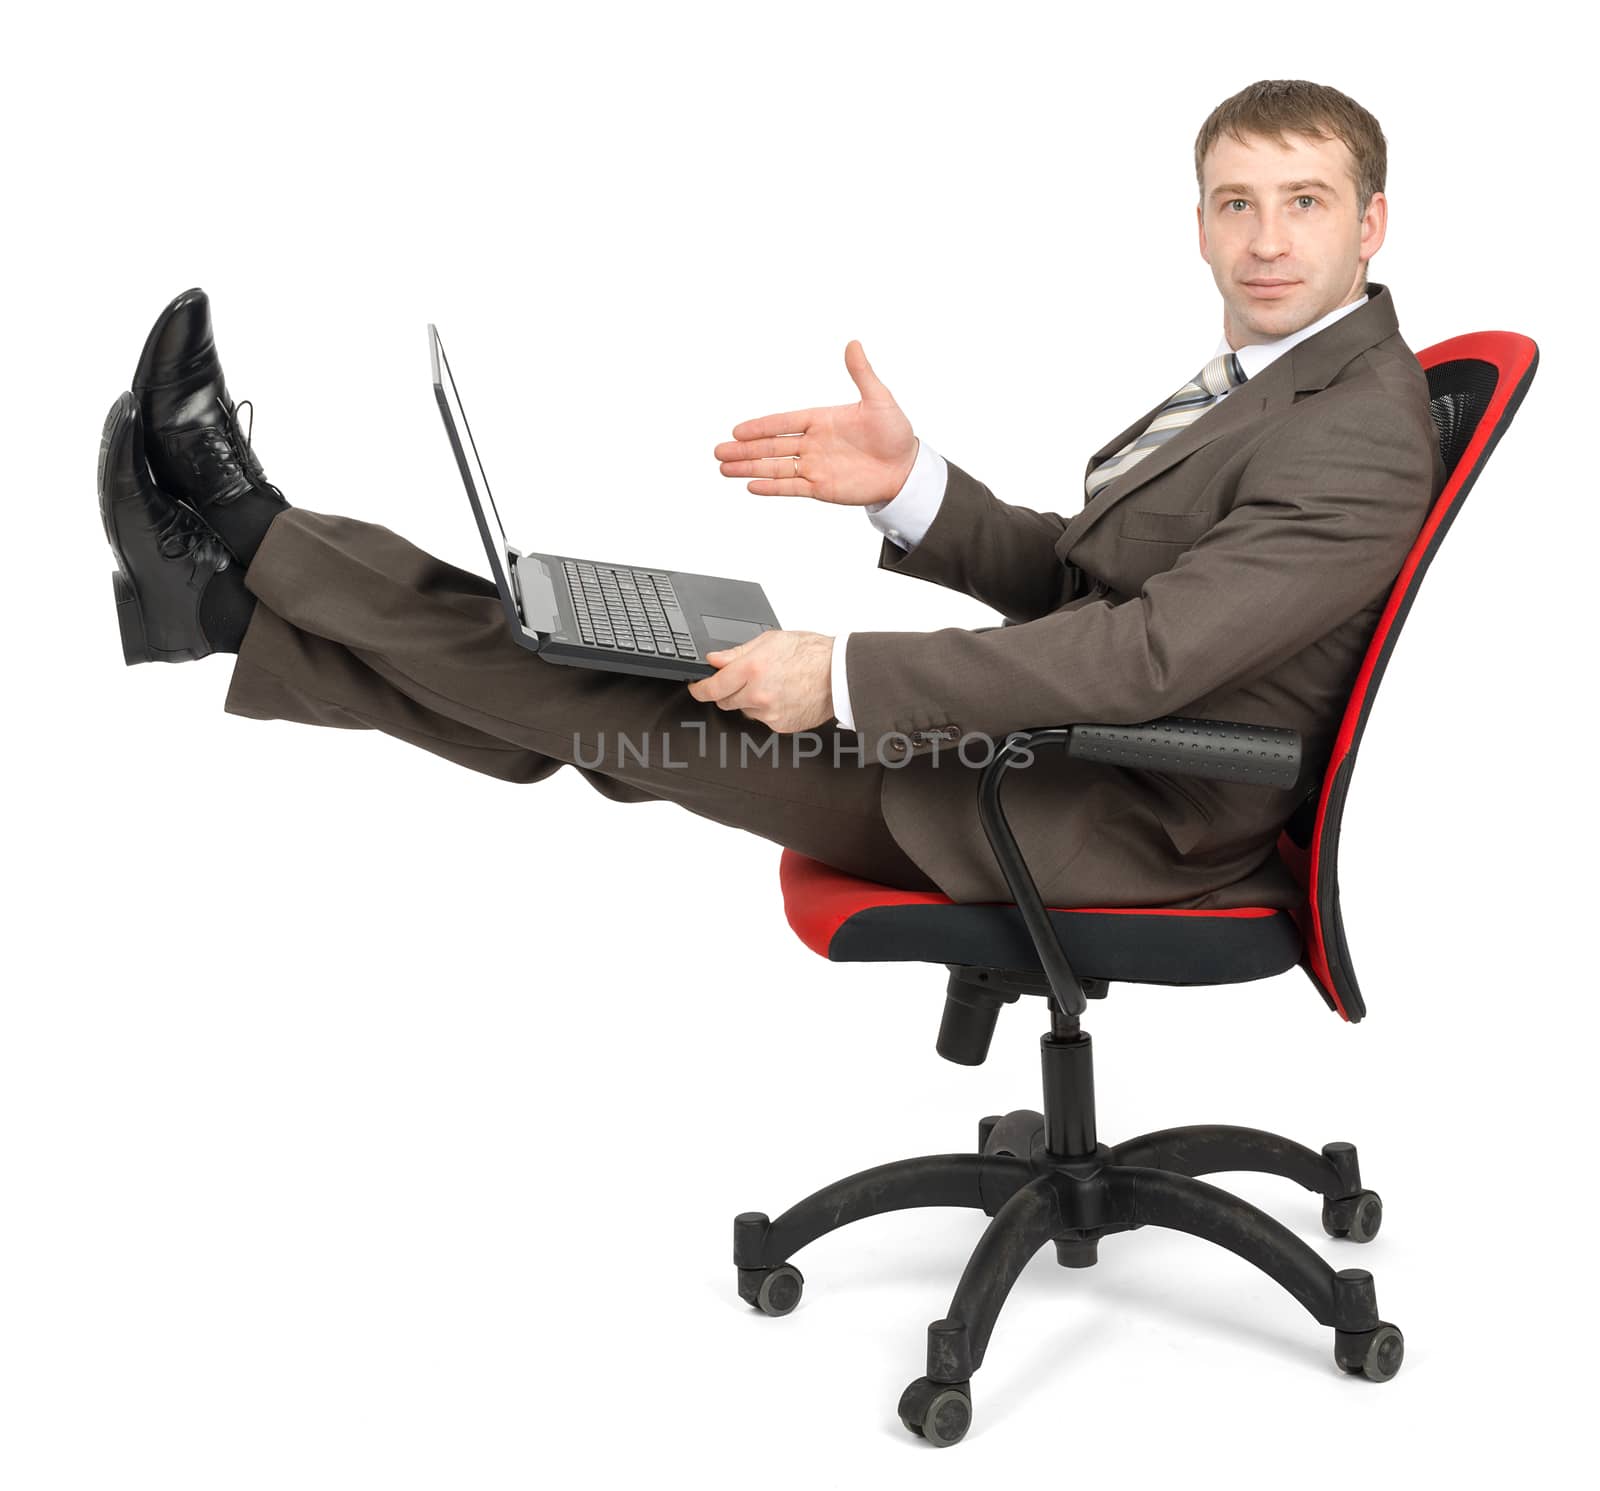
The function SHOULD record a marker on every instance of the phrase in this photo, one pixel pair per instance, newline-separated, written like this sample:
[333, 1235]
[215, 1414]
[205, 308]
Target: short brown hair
[1275, 107]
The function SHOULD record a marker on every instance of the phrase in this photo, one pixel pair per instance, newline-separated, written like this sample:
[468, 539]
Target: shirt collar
[1259, 355]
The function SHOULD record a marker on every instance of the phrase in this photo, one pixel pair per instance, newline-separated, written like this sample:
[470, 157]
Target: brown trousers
[357, 629]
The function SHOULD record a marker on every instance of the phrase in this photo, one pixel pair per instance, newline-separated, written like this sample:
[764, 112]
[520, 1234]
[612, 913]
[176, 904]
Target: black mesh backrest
[1459, 392]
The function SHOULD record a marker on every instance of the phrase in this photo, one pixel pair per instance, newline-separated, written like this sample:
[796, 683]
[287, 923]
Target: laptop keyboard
[631, 609]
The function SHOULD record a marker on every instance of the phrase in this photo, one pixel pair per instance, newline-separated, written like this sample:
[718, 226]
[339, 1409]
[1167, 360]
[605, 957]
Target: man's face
[1284, 213]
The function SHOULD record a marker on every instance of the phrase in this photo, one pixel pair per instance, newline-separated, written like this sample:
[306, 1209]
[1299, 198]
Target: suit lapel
[1304, 368]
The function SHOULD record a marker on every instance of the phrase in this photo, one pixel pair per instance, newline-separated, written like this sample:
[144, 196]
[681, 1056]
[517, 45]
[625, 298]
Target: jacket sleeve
[1323, 517]
[1001, 555]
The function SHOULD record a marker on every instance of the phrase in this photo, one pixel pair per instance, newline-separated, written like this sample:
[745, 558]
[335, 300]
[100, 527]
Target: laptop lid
[502, 557]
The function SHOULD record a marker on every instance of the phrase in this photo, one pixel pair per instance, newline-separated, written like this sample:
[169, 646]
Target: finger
[777, 468]
[732, 701]
[796, 423]
[755, 450]
[702, 689]
[720, 658]
[729, 702]
[723, 684]
[724, 655]
[773, 463]
[871, 386]
[788, 487]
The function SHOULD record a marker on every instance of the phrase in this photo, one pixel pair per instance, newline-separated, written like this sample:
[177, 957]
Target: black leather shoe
[192, 436]
[180, 595]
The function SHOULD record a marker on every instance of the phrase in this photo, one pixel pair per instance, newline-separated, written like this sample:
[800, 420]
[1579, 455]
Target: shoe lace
[181, 532]
[239, 443]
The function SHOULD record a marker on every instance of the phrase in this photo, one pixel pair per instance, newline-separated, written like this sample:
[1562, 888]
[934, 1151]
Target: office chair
[1044, 1176]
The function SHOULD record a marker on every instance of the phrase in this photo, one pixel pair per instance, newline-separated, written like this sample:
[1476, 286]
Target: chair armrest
[1263, 754]
[1266, 755]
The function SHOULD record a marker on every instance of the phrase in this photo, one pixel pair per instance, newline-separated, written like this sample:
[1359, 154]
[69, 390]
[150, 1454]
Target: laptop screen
[455, 422]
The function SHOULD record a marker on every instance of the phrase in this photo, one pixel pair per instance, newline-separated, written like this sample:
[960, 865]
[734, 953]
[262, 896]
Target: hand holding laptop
[782, 679]
[851, 454]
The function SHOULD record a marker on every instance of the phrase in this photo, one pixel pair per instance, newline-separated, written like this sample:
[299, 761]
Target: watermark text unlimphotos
[690, 742]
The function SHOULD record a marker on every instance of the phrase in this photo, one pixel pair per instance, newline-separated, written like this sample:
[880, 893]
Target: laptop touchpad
[726, 632]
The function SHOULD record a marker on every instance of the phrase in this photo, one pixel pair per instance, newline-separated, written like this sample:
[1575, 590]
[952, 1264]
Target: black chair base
[1042, 1178]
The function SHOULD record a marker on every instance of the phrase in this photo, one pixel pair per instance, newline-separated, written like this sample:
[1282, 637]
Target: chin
[1264, 317]
[1275, 313]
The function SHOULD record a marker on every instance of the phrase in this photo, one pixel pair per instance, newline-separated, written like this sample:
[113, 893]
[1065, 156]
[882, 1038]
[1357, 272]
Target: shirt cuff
[908, 515]
[841, 690]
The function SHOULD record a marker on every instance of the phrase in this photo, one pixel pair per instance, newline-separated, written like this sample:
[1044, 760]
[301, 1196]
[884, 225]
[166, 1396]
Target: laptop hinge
[535, 601]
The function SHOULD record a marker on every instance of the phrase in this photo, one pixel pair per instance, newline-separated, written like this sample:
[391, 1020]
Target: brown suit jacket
[1237, 573]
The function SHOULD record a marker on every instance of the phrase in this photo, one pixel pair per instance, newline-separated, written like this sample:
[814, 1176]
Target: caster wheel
[1356, 1217]
[1374, 1354]
[1012, 1133]
[940, 1412]
[773, 1291]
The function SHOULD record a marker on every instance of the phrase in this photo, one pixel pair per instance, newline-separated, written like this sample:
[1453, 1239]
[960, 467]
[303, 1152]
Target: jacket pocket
[1164, 528]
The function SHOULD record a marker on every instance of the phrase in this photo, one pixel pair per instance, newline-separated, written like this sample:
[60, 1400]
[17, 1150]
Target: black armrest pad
[1266, 755]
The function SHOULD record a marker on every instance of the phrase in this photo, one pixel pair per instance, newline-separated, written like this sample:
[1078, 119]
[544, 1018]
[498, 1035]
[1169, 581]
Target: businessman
[1229, 557]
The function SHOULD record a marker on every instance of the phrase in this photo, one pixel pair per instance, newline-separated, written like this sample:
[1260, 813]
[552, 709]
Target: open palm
[850, 454]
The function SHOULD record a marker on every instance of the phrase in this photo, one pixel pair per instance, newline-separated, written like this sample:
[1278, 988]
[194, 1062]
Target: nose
[1271, 239]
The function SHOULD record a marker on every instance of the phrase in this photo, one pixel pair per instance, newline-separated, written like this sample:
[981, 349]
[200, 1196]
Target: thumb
[871, 386]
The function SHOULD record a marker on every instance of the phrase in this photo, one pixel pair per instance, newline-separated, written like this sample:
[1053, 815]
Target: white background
[366, 1122]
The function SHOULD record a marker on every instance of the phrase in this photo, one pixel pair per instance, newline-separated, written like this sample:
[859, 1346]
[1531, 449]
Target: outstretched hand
[850, 454]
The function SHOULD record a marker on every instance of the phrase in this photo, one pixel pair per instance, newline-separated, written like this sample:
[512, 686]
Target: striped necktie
[1216, 378]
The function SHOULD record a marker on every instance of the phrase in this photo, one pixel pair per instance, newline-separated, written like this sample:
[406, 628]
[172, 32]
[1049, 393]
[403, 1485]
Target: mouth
[1269, 289]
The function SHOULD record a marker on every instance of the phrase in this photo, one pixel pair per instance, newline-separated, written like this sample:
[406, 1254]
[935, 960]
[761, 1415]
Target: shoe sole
[100, 473]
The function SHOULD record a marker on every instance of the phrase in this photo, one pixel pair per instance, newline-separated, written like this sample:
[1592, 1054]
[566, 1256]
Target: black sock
[225, 609]
[242, 523]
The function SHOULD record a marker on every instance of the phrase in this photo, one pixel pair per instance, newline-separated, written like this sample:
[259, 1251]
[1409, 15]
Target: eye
[1236, 199]
[1305, 199]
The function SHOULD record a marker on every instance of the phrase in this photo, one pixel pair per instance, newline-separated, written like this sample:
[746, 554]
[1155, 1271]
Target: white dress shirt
[907, 516]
